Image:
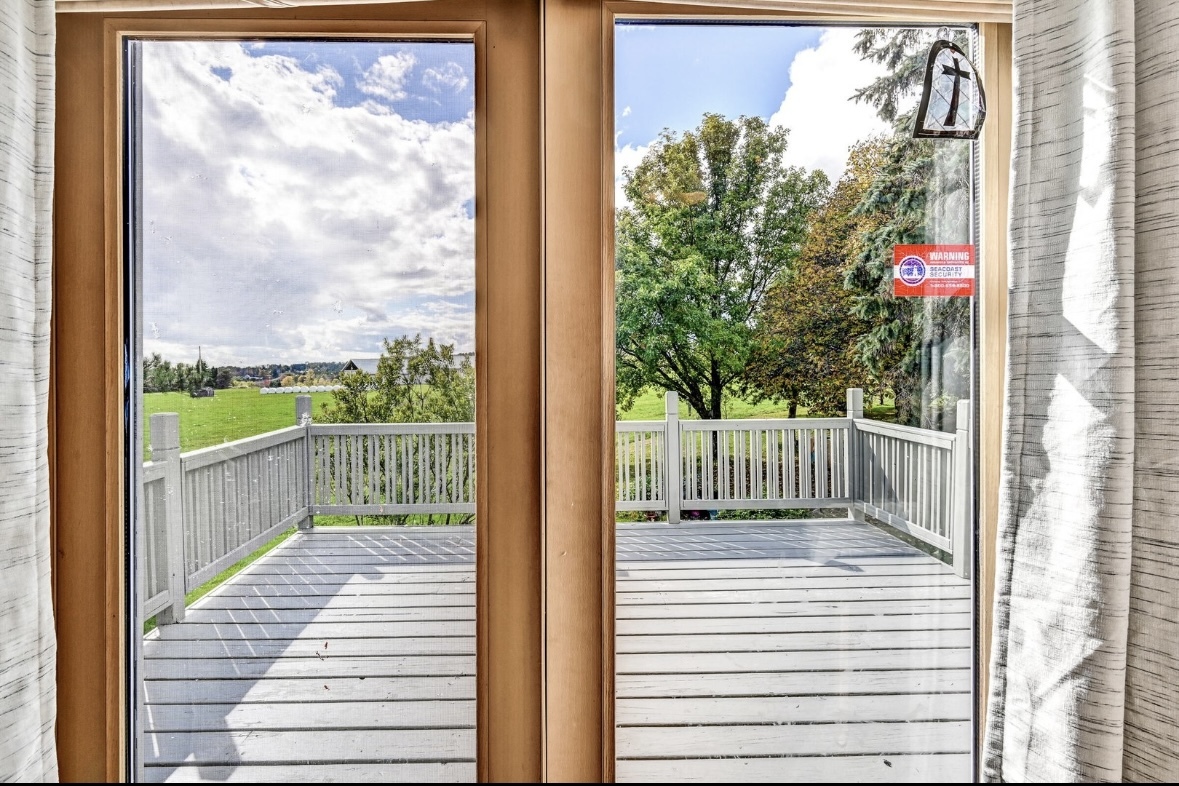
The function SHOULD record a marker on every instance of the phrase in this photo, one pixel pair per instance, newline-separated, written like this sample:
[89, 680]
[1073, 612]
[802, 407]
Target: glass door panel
[302, 264]
[794, 459]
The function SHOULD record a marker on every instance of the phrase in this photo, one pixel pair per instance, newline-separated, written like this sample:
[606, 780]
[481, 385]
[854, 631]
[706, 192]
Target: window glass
[794, 465]
[302, 273]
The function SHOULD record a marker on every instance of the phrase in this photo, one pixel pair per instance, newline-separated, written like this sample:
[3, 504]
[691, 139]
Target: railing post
[673, 459]
[963, 496]
[165, 449]
[303, 419]
[855, 403]
[855, 411]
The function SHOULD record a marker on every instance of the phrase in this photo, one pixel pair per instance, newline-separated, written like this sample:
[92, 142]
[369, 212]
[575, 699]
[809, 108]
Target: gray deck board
[821, 650]
[807, 739]
[358, 716]
[923, 768]
[759, 710]
[829, 641]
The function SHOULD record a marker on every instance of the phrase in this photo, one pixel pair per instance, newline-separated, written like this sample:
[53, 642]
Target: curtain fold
[27, 645]
[1085, 665]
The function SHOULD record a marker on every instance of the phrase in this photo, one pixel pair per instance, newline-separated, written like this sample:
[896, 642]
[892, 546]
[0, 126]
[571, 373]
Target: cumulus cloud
[824, 123]
[280, 226]
[450, 77]
[386, 78]
[626, 157]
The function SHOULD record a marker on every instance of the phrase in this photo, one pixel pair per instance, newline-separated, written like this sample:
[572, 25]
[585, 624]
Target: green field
[243, 412]
[649, 406]
[232, 414]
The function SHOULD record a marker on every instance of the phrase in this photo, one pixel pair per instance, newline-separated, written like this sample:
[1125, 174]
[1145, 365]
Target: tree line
[162, 376]
[739, 275]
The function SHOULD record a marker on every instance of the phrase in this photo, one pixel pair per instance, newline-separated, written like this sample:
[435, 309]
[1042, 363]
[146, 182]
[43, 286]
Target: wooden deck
[792, 651]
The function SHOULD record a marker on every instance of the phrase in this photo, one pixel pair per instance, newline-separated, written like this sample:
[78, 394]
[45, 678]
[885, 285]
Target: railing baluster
[619, 487]
[921, 453]
[645, 490]
[439, 467]
[628, 448]
[807, 447]
[387, 469]
[370, 471]
[825, 465]
[426, 482]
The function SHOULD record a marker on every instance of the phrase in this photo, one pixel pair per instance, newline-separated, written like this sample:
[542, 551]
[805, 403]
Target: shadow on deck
[349, 654]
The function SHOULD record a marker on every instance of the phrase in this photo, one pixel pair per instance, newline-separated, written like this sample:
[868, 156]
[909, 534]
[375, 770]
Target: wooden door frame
[578, 374]
[545, 635]
[87, 387]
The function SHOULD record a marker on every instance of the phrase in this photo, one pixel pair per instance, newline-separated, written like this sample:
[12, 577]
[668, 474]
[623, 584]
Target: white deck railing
[207, 509]
[640, 452]
[392, 468]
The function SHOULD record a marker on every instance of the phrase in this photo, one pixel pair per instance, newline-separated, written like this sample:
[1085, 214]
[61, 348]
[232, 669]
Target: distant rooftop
[367, 365]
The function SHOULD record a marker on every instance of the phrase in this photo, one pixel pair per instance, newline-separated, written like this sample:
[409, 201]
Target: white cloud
[626, 157]
[282, 227]
[450, 76]
[823, 122]
[626, 111]
[386, 78]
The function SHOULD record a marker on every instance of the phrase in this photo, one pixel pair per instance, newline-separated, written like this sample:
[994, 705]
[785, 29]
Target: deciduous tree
[715, 216]
[918, 347]
[808, 331]
[415, 382]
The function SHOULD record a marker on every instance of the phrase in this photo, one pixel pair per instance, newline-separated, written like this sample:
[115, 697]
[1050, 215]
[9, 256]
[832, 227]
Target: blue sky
[799, 77]
[667, 76]
[426, 98]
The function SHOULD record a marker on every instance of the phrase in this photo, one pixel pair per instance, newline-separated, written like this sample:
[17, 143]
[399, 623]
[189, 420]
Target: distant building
[367, 365]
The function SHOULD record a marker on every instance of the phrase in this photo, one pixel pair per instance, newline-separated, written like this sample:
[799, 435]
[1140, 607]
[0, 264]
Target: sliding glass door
[793, 460]
[303, 267]
[431, 445]
[329, 327]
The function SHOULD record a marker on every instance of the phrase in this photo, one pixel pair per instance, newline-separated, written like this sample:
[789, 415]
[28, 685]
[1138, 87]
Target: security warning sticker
[933, 271]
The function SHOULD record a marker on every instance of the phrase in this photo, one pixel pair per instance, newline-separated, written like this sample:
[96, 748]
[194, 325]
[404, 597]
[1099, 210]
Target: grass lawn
[649, 406]
[238, 413]
[232, 414]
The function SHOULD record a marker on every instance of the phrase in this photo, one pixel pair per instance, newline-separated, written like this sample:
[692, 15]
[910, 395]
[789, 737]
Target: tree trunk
[793, 409]
[714, 405]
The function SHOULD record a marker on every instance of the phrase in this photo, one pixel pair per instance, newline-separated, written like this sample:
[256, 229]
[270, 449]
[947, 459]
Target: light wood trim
[86, 386]
[868, 11]
[577, 650]
[573, 314]
[87, 746]
[159, 6]
[947, 10]
[609, 410]
[116, 593]
[996, 183]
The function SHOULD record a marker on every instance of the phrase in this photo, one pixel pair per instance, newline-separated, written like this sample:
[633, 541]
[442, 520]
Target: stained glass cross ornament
[953, 103]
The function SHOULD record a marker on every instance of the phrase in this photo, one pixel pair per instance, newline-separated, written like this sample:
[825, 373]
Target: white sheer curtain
[1086, 663]
[27, 694]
